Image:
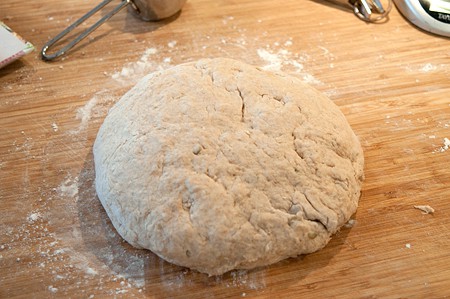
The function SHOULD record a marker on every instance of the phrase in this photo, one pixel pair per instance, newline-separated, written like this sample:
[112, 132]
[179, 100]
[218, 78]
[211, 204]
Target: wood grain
[391, 80]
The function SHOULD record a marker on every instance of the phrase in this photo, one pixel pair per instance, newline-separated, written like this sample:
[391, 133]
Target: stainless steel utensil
[147, 10]
[367, 10]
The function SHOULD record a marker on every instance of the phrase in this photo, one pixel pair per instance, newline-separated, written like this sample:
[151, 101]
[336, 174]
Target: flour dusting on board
[69, 188]
[132, 72]
[286, 60]
[111, 263]
[426, 68]
[33, 217]
[444, 147]
[55, 127]
[94, 110]
[84, 113]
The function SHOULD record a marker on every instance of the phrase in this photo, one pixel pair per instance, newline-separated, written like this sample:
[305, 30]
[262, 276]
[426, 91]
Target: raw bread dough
[217, 165]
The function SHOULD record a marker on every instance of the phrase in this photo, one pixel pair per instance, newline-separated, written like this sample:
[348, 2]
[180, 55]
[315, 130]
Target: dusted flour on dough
[217, 165]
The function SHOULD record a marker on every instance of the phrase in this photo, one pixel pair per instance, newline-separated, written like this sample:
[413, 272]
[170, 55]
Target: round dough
[217, 165]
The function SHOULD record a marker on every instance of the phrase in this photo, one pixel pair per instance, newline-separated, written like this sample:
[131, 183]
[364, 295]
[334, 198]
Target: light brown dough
[217, 165]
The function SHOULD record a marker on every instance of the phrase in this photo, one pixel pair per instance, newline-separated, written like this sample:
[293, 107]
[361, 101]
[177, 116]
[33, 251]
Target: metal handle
[81, 36]
[371, 11]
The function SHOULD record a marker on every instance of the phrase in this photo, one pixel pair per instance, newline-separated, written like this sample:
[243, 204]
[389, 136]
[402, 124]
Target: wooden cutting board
[391, 80]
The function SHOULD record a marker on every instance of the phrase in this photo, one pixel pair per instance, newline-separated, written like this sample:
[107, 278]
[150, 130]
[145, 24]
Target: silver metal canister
[155, 10]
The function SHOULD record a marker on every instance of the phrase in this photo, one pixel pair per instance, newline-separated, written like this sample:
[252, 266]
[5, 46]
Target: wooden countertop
[391, 80]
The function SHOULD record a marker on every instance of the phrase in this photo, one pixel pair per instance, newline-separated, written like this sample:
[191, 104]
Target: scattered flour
[226, 19]
[59, 251]
[96, 107]
[91, 271]
[426, 68]
[253, 281]
[55, 127]
[69, 188]
[172, 44]
[132, 72]
[52, 289]
[408, 246]
[33, 217]
[84, 113]
[284, 60]
[276, 61]
[444, 147]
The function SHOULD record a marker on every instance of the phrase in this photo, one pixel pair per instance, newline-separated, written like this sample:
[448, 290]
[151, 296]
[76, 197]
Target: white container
[430, 15]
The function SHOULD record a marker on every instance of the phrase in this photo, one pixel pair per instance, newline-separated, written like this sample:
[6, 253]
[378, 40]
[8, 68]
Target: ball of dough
[218, 165]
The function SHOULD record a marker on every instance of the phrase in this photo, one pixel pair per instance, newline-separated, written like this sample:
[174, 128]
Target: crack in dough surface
[217, 165]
